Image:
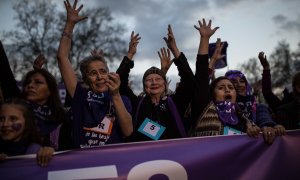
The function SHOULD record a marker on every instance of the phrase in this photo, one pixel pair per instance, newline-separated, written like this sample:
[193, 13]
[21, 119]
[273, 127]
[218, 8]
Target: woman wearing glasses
[100, 115]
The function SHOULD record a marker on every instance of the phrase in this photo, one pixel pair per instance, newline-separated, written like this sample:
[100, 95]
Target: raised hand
[165, 59]
[134, 41]
[204, 29]
[39, 61]
[263, 61]
[72, 12]
[171, 43]
[217, 54]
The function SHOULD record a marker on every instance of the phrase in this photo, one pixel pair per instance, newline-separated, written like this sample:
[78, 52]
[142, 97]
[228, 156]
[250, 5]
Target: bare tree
[296, 59]
[39, 27]
[283, 64]
[253, 70]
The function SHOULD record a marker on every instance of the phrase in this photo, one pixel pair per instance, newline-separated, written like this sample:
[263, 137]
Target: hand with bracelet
[72, 18]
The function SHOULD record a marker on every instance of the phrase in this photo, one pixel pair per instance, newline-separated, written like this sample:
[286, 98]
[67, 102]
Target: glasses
[95, 73]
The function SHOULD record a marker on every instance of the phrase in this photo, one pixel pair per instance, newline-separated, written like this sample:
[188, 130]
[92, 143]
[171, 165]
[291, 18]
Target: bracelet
[68, 35]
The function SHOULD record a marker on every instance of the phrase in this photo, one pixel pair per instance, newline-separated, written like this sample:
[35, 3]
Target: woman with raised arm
[273, 101]
[158, 115]
[100, 115]
[214, 110]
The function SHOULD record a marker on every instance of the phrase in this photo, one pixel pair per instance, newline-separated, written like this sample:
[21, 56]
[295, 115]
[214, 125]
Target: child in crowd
[18, 132]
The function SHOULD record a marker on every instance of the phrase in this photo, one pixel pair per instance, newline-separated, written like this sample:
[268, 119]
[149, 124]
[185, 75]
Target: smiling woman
[100, 114]
[158, 115]
[18, 132]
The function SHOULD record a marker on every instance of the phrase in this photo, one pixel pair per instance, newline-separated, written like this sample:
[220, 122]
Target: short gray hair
[86, 61]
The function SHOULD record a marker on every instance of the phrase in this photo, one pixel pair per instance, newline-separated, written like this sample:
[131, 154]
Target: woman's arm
[273, 101]
[124, 69]
[185, 88]
[67, 72]
[201, 95]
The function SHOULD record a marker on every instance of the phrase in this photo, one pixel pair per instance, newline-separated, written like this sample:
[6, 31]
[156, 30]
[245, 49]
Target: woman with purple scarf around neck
[214, 109]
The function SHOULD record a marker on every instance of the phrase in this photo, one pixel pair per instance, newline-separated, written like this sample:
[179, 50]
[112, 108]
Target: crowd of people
[105, 110]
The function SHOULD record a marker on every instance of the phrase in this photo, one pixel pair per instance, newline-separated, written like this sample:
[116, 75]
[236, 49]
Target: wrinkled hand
[165, 59]
[252, 129]
[263, 61]
[217, 54]
[96, 53]
[113, 83]
[269, 135]
[44, 156]
[204, 29]
[72, 12]
[279, 130]
[134, 41]
[39, 61]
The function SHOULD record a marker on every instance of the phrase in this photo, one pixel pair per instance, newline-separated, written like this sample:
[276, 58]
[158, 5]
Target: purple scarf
[227, 112]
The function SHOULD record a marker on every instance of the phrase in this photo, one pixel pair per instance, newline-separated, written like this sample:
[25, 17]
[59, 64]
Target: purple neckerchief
[41, 112]
[247, 105]
[226, 111]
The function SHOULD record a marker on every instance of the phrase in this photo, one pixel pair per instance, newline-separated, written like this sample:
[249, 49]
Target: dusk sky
[247, 26]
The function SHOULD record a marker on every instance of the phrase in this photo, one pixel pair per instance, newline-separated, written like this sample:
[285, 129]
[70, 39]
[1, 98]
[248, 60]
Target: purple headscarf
[232, 74]
[247, 104]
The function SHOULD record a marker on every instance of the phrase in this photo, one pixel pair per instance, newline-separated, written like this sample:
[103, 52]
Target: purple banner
[219, 157]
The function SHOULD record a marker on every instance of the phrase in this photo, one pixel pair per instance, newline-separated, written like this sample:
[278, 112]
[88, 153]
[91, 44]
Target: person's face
[97, 75]
[240, 85]
[36, 89]
[12, 123]
[224, 91]
[154, 85]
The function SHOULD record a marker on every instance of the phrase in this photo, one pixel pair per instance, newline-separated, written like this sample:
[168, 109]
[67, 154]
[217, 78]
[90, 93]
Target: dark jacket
[181, 99]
